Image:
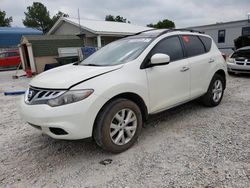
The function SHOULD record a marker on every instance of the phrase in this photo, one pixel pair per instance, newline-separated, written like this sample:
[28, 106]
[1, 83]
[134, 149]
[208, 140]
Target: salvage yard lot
[188, 146]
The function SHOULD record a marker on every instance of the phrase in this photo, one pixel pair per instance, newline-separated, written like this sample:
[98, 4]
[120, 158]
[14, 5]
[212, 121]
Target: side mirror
[160, 59]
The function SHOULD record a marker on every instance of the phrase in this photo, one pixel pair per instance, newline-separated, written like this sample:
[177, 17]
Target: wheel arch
[130, 96]
[223, 75]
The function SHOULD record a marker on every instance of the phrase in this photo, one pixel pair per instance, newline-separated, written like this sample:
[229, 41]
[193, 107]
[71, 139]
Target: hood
[66, 76]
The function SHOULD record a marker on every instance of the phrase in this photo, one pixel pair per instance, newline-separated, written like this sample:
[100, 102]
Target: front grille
[239, 70]
[239, 63]
[41, 96]
[239, 59]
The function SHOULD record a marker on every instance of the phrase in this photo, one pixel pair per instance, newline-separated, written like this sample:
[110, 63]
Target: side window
[221, 36]
[12, 54]
[193, 45]
[2, 55]
[170, 46]
[207, 42]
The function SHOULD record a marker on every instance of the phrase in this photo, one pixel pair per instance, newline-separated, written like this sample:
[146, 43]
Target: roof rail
[169, 30]
[143, 31]
[190, 30]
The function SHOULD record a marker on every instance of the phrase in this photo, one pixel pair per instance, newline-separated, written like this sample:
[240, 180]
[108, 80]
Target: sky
[184, 13]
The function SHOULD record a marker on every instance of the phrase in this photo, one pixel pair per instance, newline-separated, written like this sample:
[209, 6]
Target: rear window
[207, 42]
[193, 45]
[241, 53]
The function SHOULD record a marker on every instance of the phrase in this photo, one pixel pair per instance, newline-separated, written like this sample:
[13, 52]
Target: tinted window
[221, 36]
[193, 45]
[207, 42]
[2, 55]
[170, 46]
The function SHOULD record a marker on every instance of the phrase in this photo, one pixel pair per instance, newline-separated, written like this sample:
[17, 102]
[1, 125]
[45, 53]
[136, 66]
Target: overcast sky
[141, 12]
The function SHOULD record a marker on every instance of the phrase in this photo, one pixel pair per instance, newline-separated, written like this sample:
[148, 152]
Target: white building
[95, 33]
[225, 33]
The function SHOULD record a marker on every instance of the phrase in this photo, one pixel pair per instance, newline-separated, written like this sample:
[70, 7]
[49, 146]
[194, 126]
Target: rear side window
[207, 42]
[193, 45]
[170, 46]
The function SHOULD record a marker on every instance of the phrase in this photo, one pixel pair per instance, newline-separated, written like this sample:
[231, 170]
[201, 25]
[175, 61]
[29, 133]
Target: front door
[169, 84]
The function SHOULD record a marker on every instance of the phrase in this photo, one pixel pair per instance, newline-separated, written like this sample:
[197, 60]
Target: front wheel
[215, 91]
[118, 125]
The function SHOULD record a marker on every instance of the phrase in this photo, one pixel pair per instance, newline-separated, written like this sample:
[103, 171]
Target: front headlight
[230, 60]
[70, 97]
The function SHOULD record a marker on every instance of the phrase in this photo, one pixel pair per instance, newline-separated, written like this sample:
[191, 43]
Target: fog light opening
[58, 131]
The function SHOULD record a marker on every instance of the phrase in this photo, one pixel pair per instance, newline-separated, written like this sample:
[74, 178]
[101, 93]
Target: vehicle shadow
[39, 154]
[240, 75]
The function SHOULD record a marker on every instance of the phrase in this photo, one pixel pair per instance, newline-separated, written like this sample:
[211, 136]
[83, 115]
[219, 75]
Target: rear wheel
[215, 91]
[118, 125]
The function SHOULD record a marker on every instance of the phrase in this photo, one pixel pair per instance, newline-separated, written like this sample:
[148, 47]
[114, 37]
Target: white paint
[31, 58]
[99, 42]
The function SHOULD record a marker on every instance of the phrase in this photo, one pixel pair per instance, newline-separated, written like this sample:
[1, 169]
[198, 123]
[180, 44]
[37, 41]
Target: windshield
[118, 52]
[242, 54]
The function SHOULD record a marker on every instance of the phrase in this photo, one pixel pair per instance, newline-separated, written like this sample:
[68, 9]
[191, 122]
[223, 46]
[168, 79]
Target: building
[10, 36]
[225, 33]
[95, 33]
[37, 51]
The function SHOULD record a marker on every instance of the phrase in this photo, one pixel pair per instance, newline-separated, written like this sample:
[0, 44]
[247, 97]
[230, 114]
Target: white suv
[111, 93]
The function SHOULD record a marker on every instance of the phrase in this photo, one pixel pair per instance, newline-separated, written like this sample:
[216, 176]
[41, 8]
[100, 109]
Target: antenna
[79, 20]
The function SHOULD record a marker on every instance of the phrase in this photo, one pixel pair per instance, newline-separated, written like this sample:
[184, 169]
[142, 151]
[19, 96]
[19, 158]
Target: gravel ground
[188, 146]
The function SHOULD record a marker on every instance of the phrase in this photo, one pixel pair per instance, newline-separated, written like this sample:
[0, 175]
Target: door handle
[211, 61]
[184, 69]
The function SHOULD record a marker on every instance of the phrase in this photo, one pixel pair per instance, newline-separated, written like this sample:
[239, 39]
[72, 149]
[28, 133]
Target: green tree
[56, 17]
[116, 19]
[37, 16]
[164, 24]
[4, 22]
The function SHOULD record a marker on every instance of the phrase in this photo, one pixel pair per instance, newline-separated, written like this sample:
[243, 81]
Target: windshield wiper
[91, 64]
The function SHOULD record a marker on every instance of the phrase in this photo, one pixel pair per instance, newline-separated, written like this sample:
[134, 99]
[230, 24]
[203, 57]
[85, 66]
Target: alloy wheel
[123, 126]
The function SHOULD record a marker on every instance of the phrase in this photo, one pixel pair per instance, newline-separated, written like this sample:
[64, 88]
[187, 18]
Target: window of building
[193, 45]
[245, 31]
[221, 36]
[170, 46]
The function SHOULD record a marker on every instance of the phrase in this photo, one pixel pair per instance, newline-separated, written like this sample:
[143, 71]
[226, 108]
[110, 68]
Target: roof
[100, 27]
[47, 45]
[50, 37]
[9, 51]
[11, 36]
[219, 24]
[19, 30]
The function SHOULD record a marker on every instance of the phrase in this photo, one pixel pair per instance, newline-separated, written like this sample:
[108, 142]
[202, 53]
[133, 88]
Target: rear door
[168, 84]
[197, 48]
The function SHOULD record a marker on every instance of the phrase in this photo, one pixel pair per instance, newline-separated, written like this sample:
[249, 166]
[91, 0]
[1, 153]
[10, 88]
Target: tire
[216, 87]
[115, 138]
